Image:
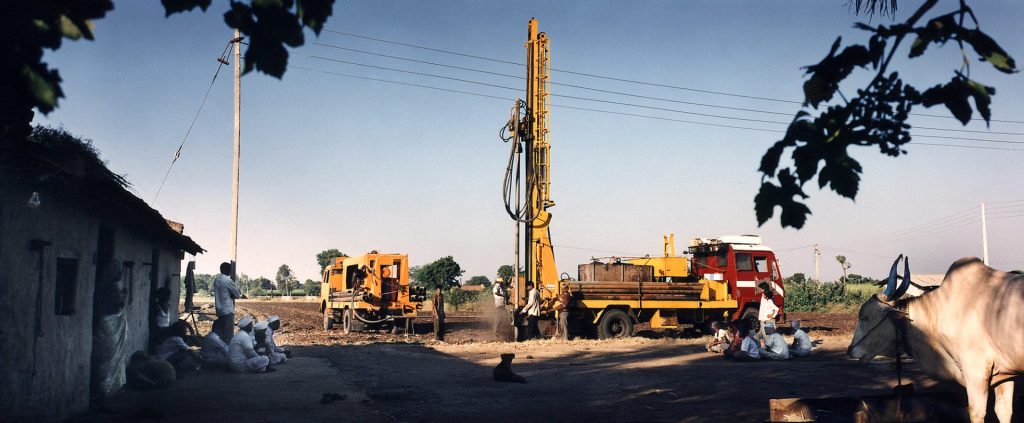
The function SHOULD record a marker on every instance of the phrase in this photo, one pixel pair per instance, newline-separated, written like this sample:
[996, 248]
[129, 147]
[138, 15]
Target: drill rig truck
[369, 290]
[721, 281]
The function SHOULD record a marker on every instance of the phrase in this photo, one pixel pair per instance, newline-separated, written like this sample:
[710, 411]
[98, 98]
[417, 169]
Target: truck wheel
[346, 321]
[615, 324]
[328, 320]
[750, 315]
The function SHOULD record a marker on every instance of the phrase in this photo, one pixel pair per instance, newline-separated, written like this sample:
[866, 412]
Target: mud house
[76, 247]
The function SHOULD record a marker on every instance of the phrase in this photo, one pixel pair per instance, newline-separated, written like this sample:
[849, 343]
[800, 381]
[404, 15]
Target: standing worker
[500, 292]
[768, 311]
[532, 311]
[562, 307]
[438, 314]
[224, 294]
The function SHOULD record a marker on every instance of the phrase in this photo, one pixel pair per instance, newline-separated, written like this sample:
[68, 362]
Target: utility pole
[984, 234]
[238, 135]
[817, 272]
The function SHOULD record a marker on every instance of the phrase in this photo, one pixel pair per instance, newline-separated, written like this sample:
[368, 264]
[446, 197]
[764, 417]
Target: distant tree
[854, 279]
[443, 272]
[263, 283]
[845, 264]
[204, 283]
[796, 278]
[457, 297]
[311, 287]
[479, 280]
[506, 272]
[284, 278]
[874, 115]
[325, 257]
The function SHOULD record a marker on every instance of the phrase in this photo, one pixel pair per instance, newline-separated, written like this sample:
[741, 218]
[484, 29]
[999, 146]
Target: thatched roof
[60, 164]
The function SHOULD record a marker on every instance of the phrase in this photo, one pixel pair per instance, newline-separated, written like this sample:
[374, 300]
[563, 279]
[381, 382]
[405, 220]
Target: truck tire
[328, 320]
[615, 324]
[750, 316]
[346, 321]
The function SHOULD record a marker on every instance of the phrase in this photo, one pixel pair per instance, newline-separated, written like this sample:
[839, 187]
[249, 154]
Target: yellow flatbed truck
[369, 290]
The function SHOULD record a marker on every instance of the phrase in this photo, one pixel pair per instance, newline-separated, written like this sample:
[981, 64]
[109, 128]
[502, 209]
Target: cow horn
[906, 279]
[890, 287]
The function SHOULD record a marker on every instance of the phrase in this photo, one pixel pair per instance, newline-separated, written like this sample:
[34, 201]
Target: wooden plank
[921, 407]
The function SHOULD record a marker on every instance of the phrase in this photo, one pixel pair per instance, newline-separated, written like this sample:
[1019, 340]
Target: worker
[775, 347]
[721, 339]
[750, 349]
[174, 350]
[243, 357]
[801, 342]
[736, 344]
[273, 324]
[224, 295]
[145, 372]
[768, 311]
[266, 347]
[438, 307]
[532, 310]
[562, 307]
[500, 292]
[160, 314]
[213, 352]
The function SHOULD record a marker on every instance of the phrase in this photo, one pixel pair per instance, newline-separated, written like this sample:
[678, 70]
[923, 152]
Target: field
[656, 376]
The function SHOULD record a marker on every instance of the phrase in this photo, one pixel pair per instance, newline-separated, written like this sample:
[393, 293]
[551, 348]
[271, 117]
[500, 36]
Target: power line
[653, 84]
[616, 112]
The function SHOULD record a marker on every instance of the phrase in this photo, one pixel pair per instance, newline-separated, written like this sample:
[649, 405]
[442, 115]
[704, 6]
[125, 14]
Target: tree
[284, 278]
[325, 257]
[506, 272]
[846, 265]
[479, 280]
[796, 278]
[877, 115]
[30, 26]
[311, 287]
[456, 297]
[204, 283]
[263, 283]
[443, 272]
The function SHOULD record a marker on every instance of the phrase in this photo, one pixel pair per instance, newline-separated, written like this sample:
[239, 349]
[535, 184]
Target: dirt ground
[656, 376]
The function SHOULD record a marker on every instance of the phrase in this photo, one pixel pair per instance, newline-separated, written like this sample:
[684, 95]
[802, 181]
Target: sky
[331, 161]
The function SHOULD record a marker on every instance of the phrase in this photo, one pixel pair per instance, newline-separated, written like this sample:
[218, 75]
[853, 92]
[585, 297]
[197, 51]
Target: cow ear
[890, 287]
[906, 279]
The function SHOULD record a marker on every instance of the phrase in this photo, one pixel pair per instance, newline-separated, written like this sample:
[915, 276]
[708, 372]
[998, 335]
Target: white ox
[970, 329]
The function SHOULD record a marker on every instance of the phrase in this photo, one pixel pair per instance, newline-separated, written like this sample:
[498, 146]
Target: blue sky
[338, 162]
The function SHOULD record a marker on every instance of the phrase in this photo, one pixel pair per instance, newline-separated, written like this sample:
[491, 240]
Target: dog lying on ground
[503, 372]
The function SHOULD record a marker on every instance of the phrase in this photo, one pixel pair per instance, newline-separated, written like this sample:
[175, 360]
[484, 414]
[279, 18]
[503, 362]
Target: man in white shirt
[532, 311]
[500, 292]
[242, 356]
[801, 342]
[775, 347]
[224, 294]
[768, 311]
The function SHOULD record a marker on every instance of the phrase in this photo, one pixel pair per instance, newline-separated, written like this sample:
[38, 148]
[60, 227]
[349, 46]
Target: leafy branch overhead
[35, 25]
[817, 140]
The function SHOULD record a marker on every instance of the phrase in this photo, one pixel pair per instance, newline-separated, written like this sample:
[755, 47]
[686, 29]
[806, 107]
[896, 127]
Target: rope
[221, 61]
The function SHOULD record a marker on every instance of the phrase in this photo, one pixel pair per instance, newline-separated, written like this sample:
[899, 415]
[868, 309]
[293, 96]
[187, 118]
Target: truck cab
[744, 263]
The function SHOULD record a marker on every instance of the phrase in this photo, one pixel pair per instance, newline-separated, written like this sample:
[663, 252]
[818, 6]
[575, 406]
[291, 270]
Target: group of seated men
[251, 349]
[739, 342]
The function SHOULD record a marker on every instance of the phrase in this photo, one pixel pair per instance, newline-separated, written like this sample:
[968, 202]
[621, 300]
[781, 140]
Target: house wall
[46, 377]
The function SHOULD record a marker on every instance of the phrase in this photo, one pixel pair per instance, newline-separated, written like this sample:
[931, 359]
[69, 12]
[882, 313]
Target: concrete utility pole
[984, 234]
[238, 136]
[817, 272]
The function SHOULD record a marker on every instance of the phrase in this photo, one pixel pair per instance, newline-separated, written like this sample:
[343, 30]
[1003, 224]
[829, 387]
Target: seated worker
[273, 324]
[145, 372]
[736, 345]
[174, 350]
[243, 357]
[721, 340]
[750, 349]
[801, 342]
[263, 345]
[214, 352]
[775, 347]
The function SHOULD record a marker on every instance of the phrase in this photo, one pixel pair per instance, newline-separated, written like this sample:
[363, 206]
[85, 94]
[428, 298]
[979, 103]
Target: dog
[503, 372]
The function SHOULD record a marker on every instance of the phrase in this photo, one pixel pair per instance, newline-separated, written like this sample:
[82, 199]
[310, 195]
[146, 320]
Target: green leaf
[75, 28]
[43, 85]
[938, 30]
[314, 13]
[842, 174]
[990, 51]
[177, 6]
[982, 95]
